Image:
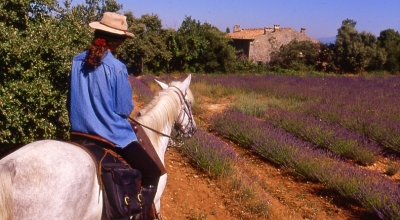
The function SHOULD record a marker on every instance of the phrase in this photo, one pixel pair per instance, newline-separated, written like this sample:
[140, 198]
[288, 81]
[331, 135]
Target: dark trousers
[139, 159]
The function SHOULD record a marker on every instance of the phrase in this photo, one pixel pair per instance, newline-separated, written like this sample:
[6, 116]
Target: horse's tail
[7, 171]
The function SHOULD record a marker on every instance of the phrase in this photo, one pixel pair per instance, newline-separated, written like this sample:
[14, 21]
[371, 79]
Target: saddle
[120, 183]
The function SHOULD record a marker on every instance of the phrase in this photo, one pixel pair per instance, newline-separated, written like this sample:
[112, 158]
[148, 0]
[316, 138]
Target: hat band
[124, 30]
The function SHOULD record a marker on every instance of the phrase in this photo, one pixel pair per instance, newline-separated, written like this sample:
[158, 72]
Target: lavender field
[327, 129]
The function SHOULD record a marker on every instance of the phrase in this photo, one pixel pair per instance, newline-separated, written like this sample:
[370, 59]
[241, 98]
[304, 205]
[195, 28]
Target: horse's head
[184, 123]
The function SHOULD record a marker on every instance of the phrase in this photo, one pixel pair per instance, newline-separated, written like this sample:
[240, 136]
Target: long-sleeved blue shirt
[100, 100]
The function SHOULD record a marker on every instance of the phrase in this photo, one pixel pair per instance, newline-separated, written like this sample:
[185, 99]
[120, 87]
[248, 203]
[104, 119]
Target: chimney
[236, 28]
[276, 27]
[303, 30]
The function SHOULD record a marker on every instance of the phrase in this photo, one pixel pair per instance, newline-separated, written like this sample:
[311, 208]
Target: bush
[296, 55]
[35, 54]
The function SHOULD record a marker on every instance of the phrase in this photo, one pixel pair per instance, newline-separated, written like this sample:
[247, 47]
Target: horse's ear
[185, 84]
[163, 85]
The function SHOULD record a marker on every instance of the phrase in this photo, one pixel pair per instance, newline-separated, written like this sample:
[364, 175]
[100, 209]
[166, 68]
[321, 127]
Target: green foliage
[251, 104]
[200, 47]
[243, 65]
[194, 47]
[297, 55]
[392, 167]
[148, 51]
[325, 58]
[355, 52]
[38, 40]
[389, 40]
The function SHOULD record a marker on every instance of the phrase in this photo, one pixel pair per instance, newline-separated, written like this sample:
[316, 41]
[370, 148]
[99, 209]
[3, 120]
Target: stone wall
[257, 44]
[262, 46]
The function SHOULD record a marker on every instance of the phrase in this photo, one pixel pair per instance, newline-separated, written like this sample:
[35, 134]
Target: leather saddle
[141, 136]
[112, 169]
[120, 184]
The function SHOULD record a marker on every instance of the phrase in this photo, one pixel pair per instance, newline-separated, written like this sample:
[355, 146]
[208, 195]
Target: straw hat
[113, 23]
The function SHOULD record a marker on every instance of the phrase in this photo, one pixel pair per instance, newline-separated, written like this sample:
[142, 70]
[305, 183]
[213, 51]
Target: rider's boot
[148, 194]
[139, 159]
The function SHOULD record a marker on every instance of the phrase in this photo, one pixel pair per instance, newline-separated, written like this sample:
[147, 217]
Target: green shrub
[35, 55]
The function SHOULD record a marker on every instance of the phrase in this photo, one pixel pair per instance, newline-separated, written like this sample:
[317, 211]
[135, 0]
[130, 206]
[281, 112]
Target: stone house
[256, 44]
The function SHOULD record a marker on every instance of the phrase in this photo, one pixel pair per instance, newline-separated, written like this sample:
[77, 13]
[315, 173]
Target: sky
[321, 18]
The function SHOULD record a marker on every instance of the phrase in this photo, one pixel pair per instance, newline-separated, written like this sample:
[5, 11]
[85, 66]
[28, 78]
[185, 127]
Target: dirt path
[190, 194]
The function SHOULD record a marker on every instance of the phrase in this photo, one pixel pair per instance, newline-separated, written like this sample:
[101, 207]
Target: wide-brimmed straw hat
[113, 23]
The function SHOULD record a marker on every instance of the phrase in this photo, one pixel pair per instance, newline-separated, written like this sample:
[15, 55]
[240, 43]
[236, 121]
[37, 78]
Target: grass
[392, 167]
[195, 216]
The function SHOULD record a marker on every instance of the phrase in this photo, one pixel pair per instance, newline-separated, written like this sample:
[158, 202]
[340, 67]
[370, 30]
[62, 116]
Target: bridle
[186, 110]
[176, 141]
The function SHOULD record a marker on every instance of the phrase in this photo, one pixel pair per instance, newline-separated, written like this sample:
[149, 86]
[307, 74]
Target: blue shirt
[100, 100]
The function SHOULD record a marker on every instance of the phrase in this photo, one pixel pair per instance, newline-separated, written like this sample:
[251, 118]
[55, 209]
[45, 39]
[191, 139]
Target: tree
[389, 40]
[38, 40]
[354, 51]
[200, 48]
[148, 50]
[325, 61]
[94, 9]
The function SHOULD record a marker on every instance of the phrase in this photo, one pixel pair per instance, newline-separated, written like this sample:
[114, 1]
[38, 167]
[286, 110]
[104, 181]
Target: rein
[152, 129]
[172, 140]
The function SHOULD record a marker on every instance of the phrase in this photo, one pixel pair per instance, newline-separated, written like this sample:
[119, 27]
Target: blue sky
[321, 18]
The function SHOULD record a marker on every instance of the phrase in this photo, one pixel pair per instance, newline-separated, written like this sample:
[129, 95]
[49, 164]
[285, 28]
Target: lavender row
[381, 130]
[141, 89]
[219, 160]
[335, 138]
[376, 193]
[210, 154]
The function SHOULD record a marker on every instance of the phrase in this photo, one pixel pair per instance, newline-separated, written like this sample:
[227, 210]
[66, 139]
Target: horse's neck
[160, 116]
[159, 142]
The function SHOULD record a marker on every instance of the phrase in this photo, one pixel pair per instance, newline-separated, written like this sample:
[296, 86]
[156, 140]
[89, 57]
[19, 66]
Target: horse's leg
[160, 189]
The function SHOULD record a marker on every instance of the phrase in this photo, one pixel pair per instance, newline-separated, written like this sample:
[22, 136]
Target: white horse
[52, 179]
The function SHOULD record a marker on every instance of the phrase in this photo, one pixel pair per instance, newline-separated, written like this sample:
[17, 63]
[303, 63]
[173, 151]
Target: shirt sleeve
[123, 92]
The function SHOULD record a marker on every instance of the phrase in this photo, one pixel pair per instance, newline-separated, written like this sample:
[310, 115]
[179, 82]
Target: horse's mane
[162, 110]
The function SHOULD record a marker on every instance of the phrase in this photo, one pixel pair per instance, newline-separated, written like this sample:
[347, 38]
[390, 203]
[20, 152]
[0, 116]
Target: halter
[186, 108]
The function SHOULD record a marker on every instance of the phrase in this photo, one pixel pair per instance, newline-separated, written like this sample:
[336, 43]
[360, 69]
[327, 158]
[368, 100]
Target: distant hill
[327, 40]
